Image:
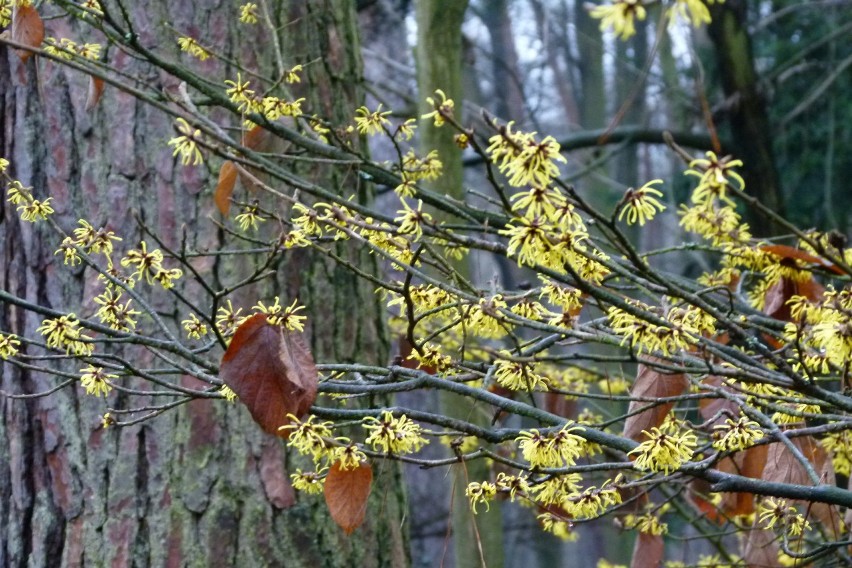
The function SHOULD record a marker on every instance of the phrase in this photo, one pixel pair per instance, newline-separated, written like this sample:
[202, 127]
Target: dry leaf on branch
[27, 29]
[651, 384]
[272, 371]
[346, 494]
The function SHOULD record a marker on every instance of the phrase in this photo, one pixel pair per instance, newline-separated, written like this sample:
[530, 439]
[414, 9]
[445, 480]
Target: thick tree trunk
[200, 485]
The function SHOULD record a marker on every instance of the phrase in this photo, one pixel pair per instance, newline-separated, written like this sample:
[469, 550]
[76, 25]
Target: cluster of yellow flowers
[65, 48]
[30, 208]
[821, 336]
[621, 15]
[666, 448]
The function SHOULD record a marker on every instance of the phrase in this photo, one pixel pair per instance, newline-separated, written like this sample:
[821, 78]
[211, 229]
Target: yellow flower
[714, 175]
[733, 436]
[554, 450]
[620, 16]
[95, 381]
[195, 328]
[393, 435]
[772, 512]
[308, 437]
[4, 163]
[310, 482]
[8, 346]
[693, 11]
[64, 331]
[292, 75]
[411, 220]
[192, 47]
[528, 241]
[641, 204]
[347, 455]
[249, 218]
[239, 92]
[96, 241]
[227, 319]
[186, 144]
[248, 13]
[370, 123]
[147, 264]
[62, 49]
[480, 493]
[227, 393]
[35, 210]
[665, 449]
[516, 375]
[276, 314]
[443, 108]
[113, 313]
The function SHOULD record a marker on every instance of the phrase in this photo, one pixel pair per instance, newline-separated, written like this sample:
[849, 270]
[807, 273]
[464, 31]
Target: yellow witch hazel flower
[733, 436]
[195, 328]
[192, 47]
[666, 448]
[523, 159]
[309, 482]
[308, 437]
[8, 346]
[370, 123]
[480, 493]
[227, 393]
[551, 450]
[411, 220]
[641, 205]
[620, 16]
[517, 375]
[186, 144]
[393, 435]
[95, 381]
[276, 314]
[443, 108]
[248, 13]
[693, 11]
[64, 332]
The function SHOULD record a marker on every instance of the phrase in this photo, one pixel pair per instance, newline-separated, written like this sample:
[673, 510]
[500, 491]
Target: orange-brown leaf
[652, 384]
[346, 494]
[272, 371]
[648, 551]
[96, 89]
[789, 253]
[27, 29]
[225, 187]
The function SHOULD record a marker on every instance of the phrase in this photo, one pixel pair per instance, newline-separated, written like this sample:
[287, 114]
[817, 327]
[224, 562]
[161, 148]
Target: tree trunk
[747, 104]
[200, 485]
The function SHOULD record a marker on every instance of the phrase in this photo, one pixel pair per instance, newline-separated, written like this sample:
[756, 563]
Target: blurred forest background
[766, 81]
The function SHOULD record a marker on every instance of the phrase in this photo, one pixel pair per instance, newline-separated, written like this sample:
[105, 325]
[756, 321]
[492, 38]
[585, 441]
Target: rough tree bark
[202, 485]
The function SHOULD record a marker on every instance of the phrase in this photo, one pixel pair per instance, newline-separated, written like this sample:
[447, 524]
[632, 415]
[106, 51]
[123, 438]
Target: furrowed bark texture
[200, 485]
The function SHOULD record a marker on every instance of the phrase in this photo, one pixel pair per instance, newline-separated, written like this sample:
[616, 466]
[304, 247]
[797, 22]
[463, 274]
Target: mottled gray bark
[200, 485]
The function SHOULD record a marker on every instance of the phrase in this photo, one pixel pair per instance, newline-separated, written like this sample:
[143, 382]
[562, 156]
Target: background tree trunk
[201, 485]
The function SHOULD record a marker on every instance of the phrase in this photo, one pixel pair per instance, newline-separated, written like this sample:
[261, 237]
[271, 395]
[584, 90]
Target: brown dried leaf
[788, 253]
[648, 551]
[760, 549]
[225, 187]
[346, 494]
[96, 89]
[27, 29]
[650, 383]
[272, 371]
